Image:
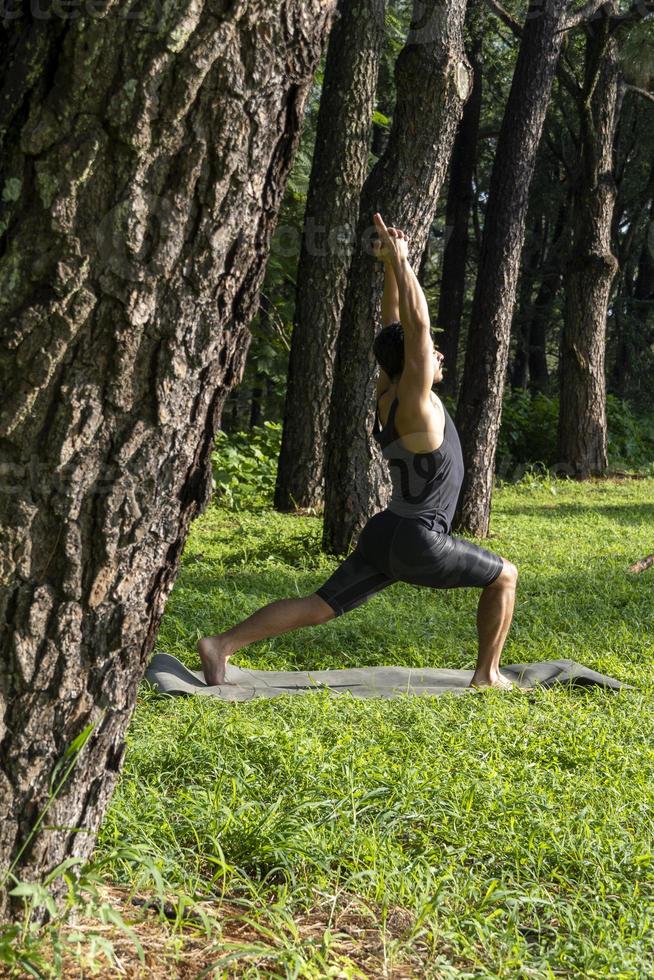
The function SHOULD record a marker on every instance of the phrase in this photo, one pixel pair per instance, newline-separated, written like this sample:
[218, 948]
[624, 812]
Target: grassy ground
[496, 835]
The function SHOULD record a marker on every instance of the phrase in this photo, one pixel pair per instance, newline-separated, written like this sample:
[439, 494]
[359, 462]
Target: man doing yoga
[411, 540]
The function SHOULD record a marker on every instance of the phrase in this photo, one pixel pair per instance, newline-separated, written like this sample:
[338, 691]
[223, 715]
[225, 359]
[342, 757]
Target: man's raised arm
[418, 372]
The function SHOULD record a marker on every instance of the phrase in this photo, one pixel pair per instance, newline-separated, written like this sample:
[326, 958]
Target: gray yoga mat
[168, 675]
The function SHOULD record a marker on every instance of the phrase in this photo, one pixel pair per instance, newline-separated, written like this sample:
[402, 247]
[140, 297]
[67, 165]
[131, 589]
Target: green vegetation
[514, 830]
[495, 835]
[528, 434]
[245, 466]
[245, 463]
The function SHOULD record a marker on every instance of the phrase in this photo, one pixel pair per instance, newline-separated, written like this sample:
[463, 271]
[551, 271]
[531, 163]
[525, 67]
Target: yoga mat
[168, 675]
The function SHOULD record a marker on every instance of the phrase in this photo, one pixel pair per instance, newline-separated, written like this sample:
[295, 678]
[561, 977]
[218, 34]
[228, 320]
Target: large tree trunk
[459, 202]
[480, 403]
[145, 165]
[592, 265]
[340, 164]
[433, 82]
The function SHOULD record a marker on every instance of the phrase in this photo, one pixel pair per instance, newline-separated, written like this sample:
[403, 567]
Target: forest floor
[502, 835]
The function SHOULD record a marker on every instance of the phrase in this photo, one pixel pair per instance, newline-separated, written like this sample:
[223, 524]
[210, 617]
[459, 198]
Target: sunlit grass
[515, 830]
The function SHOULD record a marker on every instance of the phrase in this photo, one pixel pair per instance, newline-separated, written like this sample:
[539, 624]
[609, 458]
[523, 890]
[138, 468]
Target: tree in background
[340, 164]
[433, 81]
[631, 312]
[582, 435]
[592, 264]
[479, 409]
[459, 202]
[534, 346]
[143, 162]
[541, 307]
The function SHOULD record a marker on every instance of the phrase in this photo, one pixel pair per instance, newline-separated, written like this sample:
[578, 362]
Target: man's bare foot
[498, 681]
[214, 653]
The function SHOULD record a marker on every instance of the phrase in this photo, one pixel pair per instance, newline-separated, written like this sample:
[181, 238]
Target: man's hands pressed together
[392, 245]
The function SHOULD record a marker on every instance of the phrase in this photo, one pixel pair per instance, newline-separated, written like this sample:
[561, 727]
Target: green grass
[509, 834]
[516, 830]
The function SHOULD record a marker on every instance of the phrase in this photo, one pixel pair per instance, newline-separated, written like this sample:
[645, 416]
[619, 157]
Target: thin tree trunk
[540, 322]
[644, 285]
[145, 169]
[270, 409]
[535, 314]
[459, 202]
[340, 163]
[433, 82]
[260, 387]
[522, 320]
[543, 305]
[480, 403]
[582, 439]
[255, 402]
[636, 323]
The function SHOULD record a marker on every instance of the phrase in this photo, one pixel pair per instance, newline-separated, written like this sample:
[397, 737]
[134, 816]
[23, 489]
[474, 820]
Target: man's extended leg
[271, 620]
[494, 615]
[351, 584]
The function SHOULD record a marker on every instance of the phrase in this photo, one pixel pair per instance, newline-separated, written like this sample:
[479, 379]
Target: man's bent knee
[324, 611]
[508, 577]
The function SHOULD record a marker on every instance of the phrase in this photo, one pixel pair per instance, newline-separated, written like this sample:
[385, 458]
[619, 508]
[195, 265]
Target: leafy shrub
[528, 434]
[245, 466]
[245, 463]
[630, 438]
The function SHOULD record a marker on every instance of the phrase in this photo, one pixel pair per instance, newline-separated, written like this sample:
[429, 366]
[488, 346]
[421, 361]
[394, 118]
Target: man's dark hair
[388, 348]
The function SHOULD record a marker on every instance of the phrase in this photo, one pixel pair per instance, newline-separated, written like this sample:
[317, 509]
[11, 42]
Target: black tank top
[425, 485]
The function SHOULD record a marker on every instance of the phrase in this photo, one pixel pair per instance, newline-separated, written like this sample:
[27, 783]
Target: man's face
[438, 366]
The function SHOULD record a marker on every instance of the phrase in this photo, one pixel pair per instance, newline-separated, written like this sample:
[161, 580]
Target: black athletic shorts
[406, 549]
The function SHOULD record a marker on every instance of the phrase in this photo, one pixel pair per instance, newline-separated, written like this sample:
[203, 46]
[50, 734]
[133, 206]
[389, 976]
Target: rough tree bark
[480, 402]
[459, 203]
[433, 78]
[143, 160]
[340, 164]
[582, 437]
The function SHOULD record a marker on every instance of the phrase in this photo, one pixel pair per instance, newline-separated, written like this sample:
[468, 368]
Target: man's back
[426, 484]
[421, 434]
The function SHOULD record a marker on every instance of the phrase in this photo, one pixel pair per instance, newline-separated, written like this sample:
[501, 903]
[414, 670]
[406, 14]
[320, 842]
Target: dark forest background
[533, 380]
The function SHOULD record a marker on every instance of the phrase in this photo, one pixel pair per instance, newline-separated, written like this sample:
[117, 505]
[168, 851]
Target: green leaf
[79, 742]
